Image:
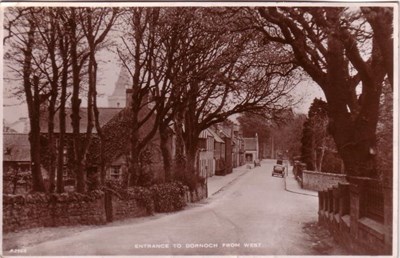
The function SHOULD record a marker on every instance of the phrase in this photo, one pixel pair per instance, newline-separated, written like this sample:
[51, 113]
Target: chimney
[129, 93]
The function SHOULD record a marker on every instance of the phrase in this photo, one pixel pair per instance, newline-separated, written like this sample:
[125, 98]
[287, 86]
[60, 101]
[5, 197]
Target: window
[115, 172]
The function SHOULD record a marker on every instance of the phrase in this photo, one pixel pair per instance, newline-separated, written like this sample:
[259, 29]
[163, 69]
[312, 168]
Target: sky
[305, 92]
[109, 68]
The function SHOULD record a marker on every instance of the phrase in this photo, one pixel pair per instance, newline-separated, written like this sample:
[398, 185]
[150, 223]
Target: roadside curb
[230, 182]
[291, 191]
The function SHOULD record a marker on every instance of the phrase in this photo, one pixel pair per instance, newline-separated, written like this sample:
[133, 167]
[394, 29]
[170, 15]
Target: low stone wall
[318, 181]
[51, 210]
[343, 210]
[41, 210]
[128, 208]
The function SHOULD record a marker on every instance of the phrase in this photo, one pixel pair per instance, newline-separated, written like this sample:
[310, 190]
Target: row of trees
[198, 66]
[281, 133]
[194, 65]
[349, 54]
[51, 54]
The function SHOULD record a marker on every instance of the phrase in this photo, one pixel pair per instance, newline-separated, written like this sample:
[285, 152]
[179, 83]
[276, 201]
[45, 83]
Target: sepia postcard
[199, 128]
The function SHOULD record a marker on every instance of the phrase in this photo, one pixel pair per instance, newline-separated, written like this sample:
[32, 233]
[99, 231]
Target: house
[251, 149]
[238, 158]
[225, 132]
[115, 122]
[117, 147]
[20, 126]
[17, 163]
[219, 152]
[16, 155]
[206, 163]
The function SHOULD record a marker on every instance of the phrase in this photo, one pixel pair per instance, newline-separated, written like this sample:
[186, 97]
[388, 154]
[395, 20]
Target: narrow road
[252, 216]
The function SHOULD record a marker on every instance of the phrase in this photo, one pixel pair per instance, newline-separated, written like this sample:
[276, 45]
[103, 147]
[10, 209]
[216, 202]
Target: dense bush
[142, 194]
[168, 197]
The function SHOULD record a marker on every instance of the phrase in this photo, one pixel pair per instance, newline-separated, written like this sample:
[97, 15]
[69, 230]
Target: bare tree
[329, 44]
[136, 54]
[96, 24]
[222, 72]
[21, 44]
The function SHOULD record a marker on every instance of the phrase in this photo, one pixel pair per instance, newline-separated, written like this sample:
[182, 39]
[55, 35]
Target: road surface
[252, 216]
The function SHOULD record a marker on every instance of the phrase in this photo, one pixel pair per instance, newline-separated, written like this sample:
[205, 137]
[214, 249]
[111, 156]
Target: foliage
[12, 178]
[168, 197]
[165, 197]
[287, 135]
[318, 150]
[188, 178]
[347, 52]
[385, 134]
[142, 194]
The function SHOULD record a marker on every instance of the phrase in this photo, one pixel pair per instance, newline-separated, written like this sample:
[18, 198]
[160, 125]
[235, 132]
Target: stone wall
[127, 208]
[41, 210]
[51, 210]
[342, 209]
[318, 181]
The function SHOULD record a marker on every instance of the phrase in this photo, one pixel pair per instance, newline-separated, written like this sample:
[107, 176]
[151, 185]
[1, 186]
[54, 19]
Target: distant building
[16, 152]
[206, 156]
[118, 97]
[238, 158]
[251, 149]
[17, 163]
[19, 126]
[219, 153]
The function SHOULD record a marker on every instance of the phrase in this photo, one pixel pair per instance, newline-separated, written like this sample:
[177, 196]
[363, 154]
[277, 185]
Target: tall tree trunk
[135, 154]
[34, 138]
[166, 152]
[51, 45]
[52, 149]
[76, 102]
[63, 98]
[33, 102]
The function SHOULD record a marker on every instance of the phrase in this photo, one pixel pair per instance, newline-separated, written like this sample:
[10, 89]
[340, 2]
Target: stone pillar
[336, 197]
[330, 200]
[344, 199]
[320, 200]
[325, 194]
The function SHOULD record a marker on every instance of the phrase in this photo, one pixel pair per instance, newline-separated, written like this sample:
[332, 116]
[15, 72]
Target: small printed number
[18, 251]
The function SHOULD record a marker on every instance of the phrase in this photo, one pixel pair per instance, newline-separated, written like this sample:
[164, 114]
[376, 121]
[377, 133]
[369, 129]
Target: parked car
[278, 170]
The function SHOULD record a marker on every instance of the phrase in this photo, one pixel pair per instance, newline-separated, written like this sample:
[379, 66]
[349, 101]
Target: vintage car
[278, 170]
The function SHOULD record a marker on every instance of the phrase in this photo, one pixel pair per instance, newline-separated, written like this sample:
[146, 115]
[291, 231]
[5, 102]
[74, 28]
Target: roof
[250, 143]
[105, 115]
[123, 82]
[117, 133]
[215, 135]
[18, 147]
[205, 134]
[226, 132]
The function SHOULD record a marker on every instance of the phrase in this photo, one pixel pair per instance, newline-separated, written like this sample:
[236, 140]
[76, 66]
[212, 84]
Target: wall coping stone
[337, 217]
[323, 173]
[48, 197]
[373, 227]
[346, 220]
